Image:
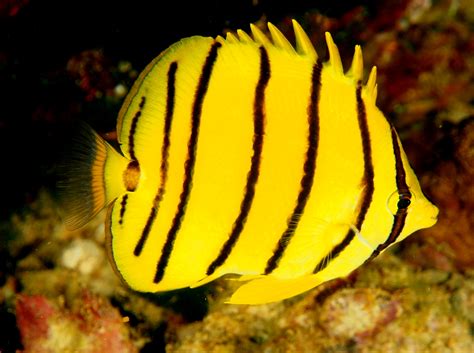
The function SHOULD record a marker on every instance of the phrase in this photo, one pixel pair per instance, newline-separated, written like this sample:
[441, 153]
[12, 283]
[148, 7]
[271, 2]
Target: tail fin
[90, 177]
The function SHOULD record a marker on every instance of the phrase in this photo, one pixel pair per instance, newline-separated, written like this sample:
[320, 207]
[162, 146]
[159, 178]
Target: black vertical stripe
[133, 128]
[368, 180]
[123, 205]
[170, 99]
[252, 177]
[189, 164]
[404, 195]
[400, 174]
[309, 169]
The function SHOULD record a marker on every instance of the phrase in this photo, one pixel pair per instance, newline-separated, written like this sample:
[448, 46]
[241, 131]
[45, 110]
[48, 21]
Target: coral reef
[387, 307]
[91, 325]
[449, 245]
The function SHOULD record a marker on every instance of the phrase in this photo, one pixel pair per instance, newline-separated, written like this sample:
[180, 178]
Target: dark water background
[40, 101]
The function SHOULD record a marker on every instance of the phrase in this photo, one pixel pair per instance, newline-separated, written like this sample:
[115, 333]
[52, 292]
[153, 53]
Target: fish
[248, 156]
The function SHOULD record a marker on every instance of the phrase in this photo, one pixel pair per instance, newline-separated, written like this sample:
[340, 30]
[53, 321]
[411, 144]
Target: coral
[427, 326]
[94, 74]
[90, 325]
[228, 329]
[83, 254]
[357, 313]
[399, 310]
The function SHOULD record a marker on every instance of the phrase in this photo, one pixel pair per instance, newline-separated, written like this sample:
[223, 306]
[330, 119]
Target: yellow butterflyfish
[245, 155]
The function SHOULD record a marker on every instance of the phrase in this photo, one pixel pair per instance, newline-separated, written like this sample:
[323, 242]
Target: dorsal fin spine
[259, 36]
[231, 38]
[279, 40]
[220, 39]
[357, 67]
[304, 46]
[303, 43]
[244, 37]
[334, 57]
[372, 83]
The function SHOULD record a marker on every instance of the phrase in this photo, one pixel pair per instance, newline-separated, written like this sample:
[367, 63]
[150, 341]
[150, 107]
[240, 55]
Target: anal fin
[271, 289]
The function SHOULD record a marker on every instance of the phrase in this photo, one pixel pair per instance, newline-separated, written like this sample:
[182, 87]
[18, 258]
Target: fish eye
[399, 202]
[403, 202]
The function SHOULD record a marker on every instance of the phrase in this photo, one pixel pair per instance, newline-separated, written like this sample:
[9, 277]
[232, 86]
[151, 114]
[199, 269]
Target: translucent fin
[361, 238]
[82, 183]
[303, 43]
[334, 57]
[279, 39]
[206, 280]
[259, 36]
[357, 67]
[231, 38]
[271, 289]
[244, 37]
[372, 83]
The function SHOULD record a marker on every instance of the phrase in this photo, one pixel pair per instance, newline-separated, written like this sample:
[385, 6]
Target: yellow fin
[303, 43]
[271, 289]
[231, 38]
[259, 36]
[206, 280]
[372, 83]
[84, 186]
[279, 40]
[357, 67]
[334, 57]
[220, 39]
[244, 37]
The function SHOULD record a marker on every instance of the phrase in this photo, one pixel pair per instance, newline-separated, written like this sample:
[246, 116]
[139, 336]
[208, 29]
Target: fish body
[248, 156]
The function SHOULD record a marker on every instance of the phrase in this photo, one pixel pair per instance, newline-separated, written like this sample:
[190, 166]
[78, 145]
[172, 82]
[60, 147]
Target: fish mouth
[433, 217]
[426, 214]
[435, 212]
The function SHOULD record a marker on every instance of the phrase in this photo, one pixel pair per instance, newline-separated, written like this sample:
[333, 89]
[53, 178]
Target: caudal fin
[90, 177]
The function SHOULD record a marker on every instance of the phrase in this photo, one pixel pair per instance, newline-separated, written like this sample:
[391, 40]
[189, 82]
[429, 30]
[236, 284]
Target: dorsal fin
[220, 39]
[244, 37]
[372, 83]
[303, 43]
[374, 93]
[279, 40]
[357, 67]
[259, 36]
[305, 47]
[334, 57]
[229, 37]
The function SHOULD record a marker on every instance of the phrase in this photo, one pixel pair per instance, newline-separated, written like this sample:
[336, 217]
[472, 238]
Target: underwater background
[65, 61]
